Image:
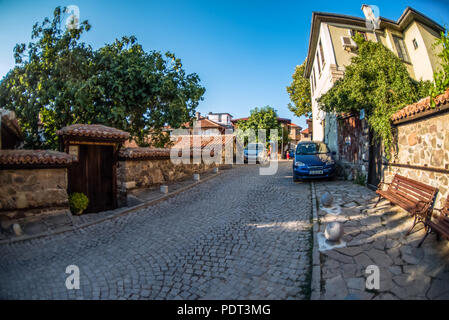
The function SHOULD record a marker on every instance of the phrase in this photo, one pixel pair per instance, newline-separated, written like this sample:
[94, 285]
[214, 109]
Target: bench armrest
[379, 186]
[425, 208]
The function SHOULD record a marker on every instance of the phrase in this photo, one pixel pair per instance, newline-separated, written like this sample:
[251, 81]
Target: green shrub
[78, 202]
[360, 178]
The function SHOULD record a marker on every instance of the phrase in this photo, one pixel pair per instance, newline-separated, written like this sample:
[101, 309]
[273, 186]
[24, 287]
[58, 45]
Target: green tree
[64, 81]
[441, 77]
[48, 74]
[299, 92]
[377, 81]
[265, 119]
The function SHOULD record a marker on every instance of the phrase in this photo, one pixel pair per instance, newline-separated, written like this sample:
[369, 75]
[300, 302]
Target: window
[312, 148]
[363, 33]
[318, 62]
[312, 80]
[322, 54]
[219, 118]
[400, 48]
[415, 44]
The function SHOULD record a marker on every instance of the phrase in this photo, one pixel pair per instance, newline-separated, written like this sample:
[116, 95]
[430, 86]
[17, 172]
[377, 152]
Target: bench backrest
[412, 189]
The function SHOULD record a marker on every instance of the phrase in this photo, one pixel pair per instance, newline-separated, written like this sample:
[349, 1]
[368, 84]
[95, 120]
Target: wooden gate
[93, 172]
[93, 176]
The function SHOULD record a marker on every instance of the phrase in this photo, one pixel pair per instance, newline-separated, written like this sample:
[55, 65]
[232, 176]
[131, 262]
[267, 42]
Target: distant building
[221, 118]
[284, 122]
[201, 125]
[307, 134]
[294, 134]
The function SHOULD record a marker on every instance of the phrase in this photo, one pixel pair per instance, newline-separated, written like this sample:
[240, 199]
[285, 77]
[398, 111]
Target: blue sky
[244, 51]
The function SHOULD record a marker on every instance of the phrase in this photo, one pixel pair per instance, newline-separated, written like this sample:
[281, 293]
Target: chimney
[197, 115]
[372, 16]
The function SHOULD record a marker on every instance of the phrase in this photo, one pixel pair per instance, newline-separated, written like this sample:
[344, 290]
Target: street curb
[316, 264]
[112, 216]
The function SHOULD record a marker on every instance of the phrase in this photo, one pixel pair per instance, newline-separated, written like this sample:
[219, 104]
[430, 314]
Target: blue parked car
[313, 160]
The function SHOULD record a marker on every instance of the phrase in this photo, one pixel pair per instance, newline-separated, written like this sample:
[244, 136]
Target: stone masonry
[27, 192]
[147, 173]
[424, 143]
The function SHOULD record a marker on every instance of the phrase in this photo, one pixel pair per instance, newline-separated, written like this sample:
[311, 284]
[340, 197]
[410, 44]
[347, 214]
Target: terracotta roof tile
[420, 107]
[34, 157]
[187, 140]
[204, 123]
[93, 131]
[144, 153]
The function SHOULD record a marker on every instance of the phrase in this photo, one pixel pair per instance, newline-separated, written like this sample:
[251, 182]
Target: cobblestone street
[237, 236]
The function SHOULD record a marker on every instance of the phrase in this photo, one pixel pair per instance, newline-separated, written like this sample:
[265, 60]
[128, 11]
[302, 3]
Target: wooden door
[93, 175]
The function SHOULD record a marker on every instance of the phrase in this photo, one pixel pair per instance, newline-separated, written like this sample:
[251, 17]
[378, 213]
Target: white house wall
[323, 83]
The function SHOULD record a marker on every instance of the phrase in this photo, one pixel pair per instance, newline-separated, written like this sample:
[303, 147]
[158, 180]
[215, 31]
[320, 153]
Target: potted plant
[78, 202]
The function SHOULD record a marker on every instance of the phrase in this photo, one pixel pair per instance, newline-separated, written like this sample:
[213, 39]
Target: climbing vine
[441, 77]
[378, 82]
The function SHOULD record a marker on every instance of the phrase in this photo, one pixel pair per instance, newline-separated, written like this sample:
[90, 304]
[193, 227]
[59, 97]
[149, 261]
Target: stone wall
[424, 143]
[28, 192]
[147, 173]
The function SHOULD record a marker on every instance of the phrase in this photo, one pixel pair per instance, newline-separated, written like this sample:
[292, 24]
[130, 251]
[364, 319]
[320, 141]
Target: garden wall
[145, 168]
[32, 183]
[423, 151]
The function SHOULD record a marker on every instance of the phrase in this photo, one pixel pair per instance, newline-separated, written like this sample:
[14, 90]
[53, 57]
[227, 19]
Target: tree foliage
[261, 119]
[441, 77]
[299, 92]
[63, 81]
[377, 81]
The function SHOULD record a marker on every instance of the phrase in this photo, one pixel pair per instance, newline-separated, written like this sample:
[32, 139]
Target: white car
[255, 153]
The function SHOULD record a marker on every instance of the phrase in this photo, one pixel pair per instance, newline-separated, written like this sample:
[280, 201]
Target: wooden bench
[415, 197]
[440, 225]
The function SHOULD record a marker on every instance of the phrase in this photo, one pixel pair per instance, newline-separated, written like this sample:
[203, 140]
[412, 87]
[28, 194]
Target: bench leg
[413, 225]
[428, 231]
[378, 200]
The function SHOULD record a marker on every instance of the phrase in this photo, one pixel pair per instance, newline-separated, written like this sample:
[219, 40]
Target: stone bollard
[196, 176]
[334, 231]
[215, 170]
[326, 200]
[17, 229]
[164, 189]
